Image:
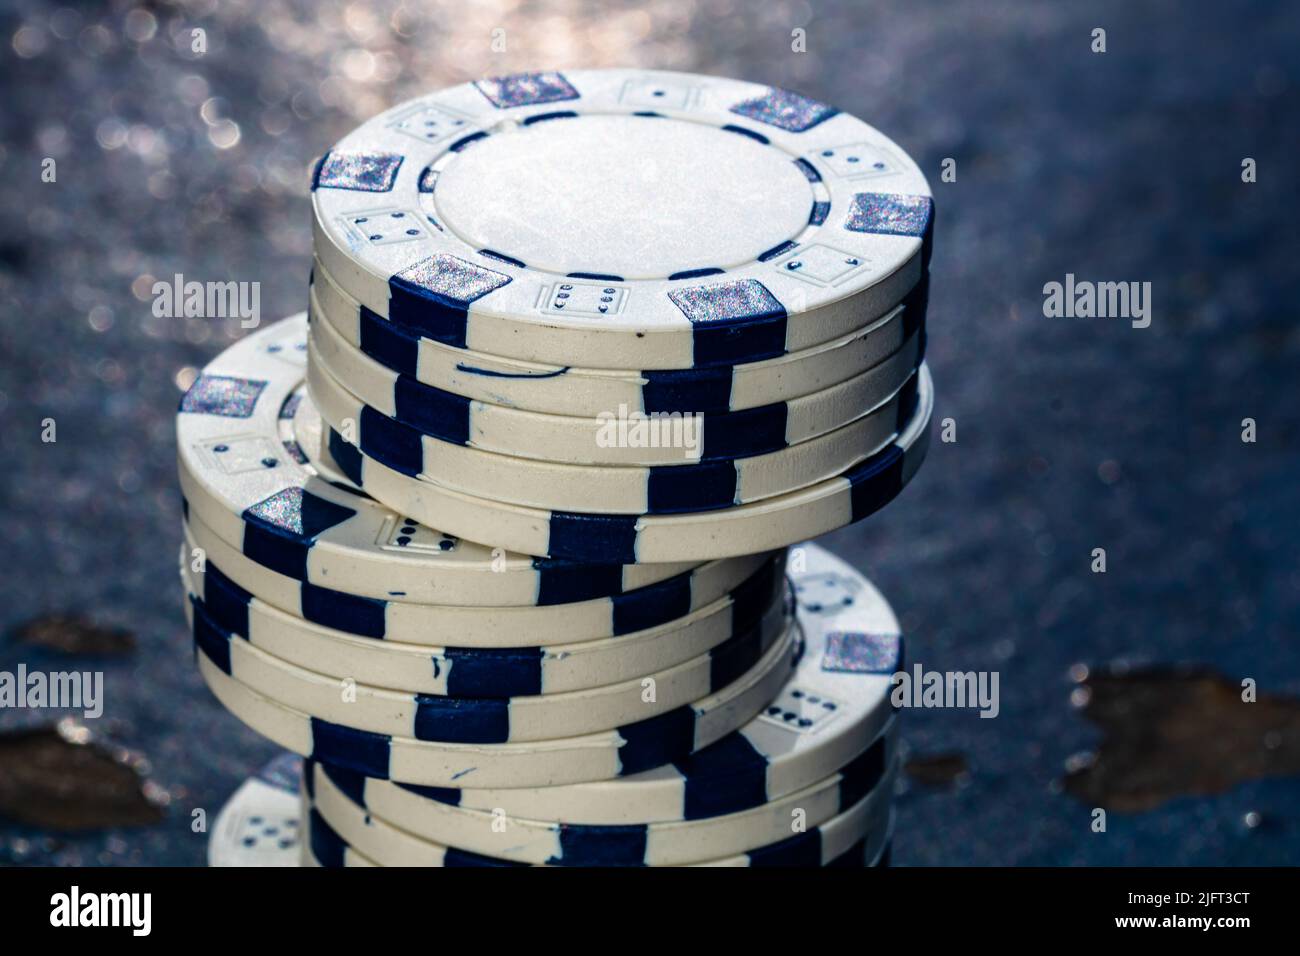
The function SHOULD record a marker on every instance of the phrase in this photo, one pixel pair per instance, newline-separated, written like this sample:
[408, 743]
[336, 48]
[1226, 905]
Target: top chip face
[622, 219]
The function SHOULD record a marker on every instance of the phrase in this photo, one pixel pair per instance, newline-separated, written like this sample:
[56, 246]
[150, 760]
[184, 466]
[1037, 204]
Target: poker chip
[618, 436]
[567, 218]
[262, 497]
[589, 536]
[491, 720]
[482, 672]
[572, 390]
[501, 539]
[659, 490]
[828, 712]
[625, 750]
[430, 624]
[499, 835]
[335, 819]
[260, 824]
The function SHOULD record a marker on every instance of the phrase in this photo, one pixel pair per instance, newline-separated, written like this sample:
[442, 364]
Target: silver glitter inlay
[222, 395]
[282, 510]
[295, 451]
[890, 214]
[365, 172]
[741, 299]
[785, 110]
[290, 406]
[858, 653]
[526, 89]
[453, 279]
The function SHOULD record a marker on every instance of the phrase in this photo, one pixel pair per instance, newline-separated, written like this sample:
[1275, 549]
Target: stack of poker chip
[503, 535]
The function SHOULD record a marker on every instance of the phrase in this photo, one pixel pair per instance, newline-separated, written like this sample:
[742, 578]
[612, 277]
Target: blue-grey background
[1072, 434]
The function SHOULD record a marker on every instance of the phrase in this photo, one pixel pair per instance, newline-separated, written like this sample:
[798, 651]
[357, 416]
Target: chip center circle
[628, 196]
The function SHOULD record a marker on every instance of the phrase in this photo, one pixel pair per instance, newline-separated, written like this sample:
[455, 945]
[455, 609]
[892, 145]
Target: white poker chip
[572, 390]
[259, 824]
[335, 822]
[483, 672]
[487, 627]
[262, 497]
[622, 219]
[628, 749]
[616, 436]
[496, 834]
[627, 538]
[831, 709]
[685, 487]
[492, 720]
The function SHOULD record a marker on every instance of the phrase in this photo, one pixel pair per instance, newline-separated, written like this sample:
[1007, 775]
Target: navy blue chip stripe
[461, 858]
[861, 774]
[746, 431]
[502, 257]
[347, 456]
[687, 390]
[727, 776]
[915, 305]
[652, 605]
[820, 210]
[757, 137]
[729, 661]
[326, 846]
[361, 616]
[388, 441]
[875, 482]
[281, 549]
[734, 342]
[447, 795]
[315, 170]
[563, 582]
[601, 845]
[209, 638]
[752, 597]
[348, 782]
[360, 750]
[225, 601]
[431, 410]
[494, 672]
[427, 313]
[595, 276]
[464, 141]
[777, 250]
[388, 344]
[595, 538]
[696, 273]
[803, 849]
[809, 170]
[704, 486]
[545, 117]
[461, 720]
[656, 741]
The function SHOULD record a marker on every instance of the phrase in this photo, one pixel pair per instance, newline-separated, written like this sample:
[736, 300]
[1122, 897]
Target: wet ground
[1119, 690]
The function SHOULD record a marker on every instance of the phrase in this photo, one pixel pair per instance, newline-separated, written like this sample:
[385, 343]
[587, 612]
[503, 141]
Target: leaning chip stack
[622, 338]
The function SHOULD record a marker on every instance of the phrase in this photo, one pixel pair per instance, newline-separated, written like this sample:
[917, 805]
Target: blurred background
[1118, 690]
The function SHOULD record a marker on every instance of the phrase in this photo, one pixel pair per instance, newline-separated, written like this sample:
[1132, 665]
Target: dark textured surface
[1072, 434]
